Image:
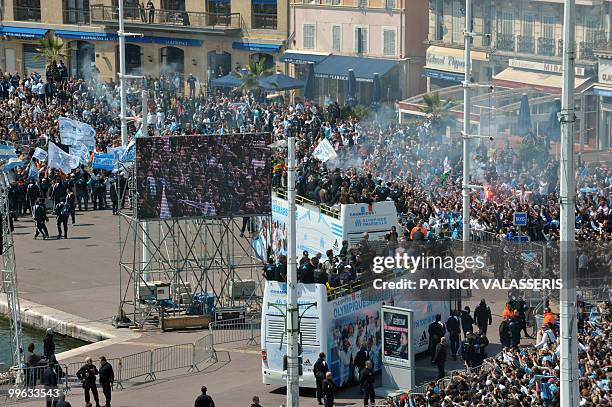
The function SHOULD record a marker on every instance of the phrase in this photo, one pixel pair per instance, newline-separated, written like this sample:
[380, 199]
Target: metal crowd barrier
[236, 330]
[23, 383]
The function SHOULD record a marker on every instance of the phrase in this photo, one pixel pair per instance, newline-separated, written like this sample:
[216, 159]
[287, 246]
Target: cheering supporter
[530, 376]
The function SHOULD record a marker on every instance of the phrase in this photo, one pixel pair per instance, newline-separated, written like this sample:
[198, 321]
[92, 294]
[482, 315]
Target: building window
[26, 10]
[506, 23]
[268, 60]
[526, 42]
[308, 31]
[219, 12]
[488, 25]
[362, 3]
[439, 12]
[178, 5]
[336, 38]
[76, 11]
[335, 2]
[505, 31]
[390, 4]
[31, 62]
[389, 42]
[592, 29]
[361, 40]
[458, 22]
[264, 14]
[548, 27]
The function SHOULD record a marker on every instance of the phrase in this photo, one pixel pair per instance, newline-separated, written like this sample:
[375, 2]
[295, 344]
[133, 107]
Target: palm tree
[52, 49]
[251, 75]
[438, 111]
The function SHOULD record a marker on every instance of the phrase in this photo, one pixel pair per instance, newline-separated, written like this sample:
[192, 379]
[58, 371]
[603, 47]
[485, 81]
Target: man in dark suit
[436, 331]
[366, 377]
[440, 357]
[453, 325]
[320, 369]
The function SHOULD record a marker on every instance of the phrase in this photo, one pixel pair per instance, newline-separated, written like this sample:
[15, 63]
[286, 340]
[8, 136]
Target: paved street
[80, 276]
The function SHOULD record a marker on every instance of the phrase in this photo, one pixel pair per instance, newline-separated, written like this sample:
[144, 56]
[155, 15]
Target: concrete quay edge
[99, 335]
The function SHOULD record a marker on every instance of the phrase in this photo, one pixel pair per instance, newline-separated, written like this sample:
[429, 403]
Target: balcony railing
[264, 21]
[526, 44]
[505, 42]
[174, 19]
[76, 16]
[26, 13]
[546, 46]
[586, 50]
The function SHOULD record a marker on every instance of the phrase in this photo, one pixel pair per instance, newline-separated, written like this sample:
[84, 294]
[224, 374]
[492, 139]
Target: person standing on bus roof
[320, 370]
[329, 390]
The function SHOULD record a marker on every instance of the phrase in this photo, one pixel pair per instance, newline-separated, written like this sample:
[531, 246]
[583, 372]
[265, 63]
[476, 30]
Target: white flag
[40, 154]
[59, 159]
[325, 151]
[82, 152]
[74, 131]
[447, 166]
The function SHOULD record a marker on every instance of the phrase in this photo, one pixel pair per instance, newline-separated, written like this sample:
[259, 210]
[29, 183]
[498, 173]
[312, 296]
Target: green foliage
[51, 49]
[438, 111]
[250, 77]
[532, 150]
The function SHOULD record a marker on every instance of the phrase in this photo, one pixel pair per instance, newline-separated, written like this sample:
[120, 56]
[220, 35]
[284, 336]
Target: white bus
[337, 325]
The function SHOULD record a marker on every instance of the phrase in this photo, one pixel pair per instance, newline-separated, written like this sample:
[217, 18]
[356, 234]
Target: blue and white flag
[12, 164]
[324, 151]
[129, 155]
[33, 172]
[61, 160]
[82, 152]
[103, 161]
[74, 131]
[40, 154]
[7, 152]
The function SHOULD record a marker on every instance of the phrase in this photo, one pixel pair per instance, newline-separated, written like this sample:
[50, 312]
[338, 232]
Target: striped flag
[447, 170]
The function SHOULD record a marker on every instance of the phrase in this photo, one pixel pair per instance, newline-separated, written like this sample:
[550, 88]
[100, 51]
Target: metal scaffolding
[9, 273]
[198, 257]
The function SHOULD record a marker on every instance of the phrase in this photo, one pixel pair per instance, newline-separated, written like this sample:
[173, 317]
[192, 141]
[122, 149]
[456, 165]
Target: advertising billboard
[396, 332]
[203, 176]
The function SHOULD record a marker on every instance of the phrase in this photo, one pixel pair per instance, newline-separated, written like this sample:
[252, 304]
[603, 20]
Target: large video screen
[203, 176]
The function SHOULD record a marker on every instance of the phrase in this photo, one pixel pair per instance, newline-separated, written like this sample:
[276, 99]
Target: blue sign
[520, 219]
[520, 239]
[103, 161]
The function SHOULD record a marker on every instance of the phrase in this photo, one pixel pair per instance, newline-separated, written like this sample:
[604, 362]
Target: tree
[251, 75]
[438, 111]
[52, 49]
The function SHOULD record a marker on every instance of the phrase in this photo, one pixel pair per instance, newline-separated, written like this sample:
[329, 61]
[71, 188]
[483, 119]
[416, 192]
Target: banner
[57, 158]
[82, 152]
[103, 161]
[129, 155]
[324, 151]
[73, 131]
[7, 152]
[40, 154]
[33, 172]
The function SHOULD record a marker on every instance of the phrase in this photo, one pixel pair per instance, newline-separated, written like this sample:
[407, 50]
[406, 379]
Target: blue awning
[302, 58]
[103, 36]
[263, 1]
[23, 32]
[337, 66]
[602, 91]
[227, 81]
[256, 47]
[447, 76]
[279, 81]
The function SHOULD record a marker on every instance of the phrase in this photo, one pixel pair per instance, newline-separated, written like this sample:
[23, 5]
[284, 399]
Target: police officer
[49, 380]
[482, 315]
[329, 390]
[320, 370]
[366, 377]
[87, 375]
[40, 217]
[204, 400]
[62, 212]
[453, 326]
[107, 377]
[467, 322]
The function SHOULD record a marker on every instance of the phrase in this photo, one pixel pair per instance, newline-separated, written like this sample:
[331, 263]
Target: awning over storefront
[600, 90]
[227, 81]
[103, 36]
[544, 82]
[447, 76]
[250, 46]
[303, 57]
[450, 59]
[23, 32]
[337, 66]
